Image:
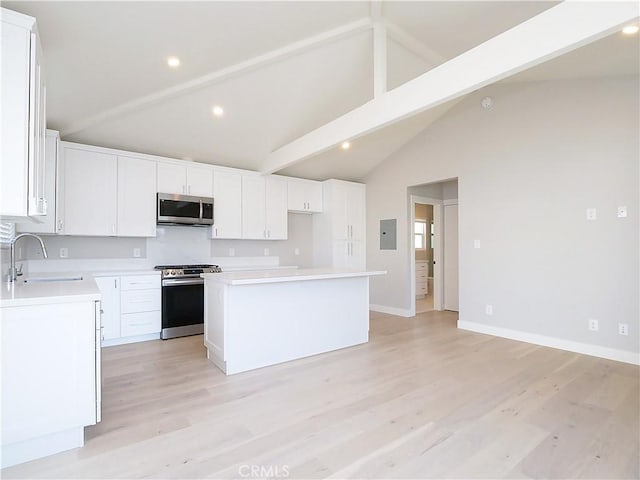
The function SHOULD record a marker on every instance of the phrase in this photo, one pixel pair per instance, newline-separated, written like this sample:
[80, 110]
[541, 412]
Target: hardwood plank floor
[420, 400]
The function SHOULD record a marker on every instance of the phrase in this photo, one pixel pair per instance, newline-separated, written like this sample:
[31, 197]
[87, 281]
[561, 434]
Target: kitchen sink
[52, 279]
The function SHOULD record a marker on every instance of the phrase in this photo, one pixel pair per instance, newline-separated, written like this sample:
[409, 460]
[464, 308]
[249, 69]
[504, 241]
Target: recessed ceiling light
[217, 110]
[173, 62]
[345, 145]
[630, 29]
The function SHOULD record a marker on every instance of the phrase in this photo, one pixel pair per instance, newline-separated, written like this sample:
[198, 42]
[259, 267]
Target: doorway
[424, 241]
[433, 245]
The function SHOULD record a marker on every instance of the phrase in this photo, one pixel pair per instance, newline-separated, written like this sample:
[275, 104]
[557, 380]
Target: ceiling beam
[552, 33]
[379, 49]
[415, 46]
[218, 76]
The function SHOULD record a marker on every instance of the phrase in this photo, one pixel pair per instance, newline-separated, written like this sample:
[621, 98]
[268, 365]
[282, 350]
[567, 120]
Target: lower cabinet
[422, 274]
[50, 378]
[131, 309]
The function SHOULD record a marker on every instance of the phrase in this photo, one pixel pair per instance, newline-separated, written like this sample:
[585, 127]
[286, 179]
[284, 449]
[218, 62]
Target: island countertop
[287, 275]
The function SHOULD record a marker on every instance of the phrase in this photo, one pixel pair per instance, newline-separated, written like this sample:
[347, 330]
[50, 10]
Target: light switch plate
[136, 253]
[591, 214]
[64, 252]
[476, 244]
[296, 251]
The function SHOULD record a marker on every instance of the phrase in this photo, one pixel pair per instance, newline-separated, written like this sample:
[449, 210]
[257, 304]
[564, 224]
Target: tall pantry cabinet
[339, 231]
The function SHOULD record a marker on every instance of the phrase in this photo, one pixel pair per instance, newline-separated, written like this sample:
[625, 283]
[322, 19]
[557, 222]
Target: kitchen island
[261, 318]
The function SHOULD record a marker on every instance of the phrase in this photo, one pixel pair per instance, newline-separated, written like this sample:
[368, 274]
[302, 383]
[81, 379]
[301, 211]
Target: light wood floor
[420, 400]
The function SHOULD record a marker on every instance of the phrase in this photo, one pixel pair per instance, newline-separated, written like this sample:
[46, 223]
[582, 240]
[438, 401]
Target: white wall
[527, 170]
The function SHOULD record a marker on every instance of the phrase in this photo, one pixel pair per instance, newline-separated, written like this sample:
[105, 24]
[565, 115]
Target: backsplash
[171, 245]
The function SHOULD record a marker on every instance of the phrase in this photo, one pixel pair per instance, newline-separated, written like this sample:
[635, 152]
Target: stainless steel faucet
[13, 273]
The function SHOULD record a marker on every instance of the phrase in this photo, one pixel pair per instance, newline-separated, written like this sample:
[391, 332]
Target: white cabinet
[47, 223]
[103, 194]
[338, 232]
[185, 180]
[110, 306]
[136, 197]
[276, 208]
[50, 378]
[131, 308]
[264, 207]
[90, 191]
[304, 196]
[422, 275]
[227, 204]
[23, 119]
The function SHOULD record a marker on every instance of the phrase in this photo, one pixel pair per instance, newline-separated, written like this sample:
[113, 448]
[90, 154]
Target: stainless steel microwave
[184, 210]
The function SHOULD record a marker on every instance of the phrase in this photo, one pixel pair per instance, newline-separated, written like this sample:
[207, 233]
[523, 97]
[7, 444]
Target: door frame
[438, 290]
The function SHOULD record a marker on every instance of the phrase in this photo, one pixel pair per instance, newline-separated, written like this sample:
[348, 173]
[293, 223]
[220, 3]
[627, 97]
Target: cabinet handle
[59, 225]
[115, 283]
[113, 229]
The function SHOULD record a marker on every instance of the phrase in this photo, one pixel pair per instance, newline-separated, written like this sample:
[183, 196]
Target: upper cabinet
[264, 207]
[104, 194]
[23, 119]
[304, 196]
[185, 180]
[227, 204]
[136, 197]
[90, 191]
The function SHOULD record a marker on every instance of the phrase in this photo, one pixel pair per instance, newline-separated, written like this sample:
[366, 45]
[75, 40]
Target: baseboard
[400, 312]
[124, 340]
[568, 345]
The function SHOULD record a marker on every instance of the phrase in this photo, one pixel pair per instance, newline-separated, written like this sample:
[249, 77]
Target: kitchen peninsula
[256, 319]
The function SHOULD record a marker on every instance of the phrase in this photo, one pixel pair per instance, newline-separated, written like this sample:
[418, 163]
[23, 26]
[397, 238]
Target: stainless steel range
[183, 299]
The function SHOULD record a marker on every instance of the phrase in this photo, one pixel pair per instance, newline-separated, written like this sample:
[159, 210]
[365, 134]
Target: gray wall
[527, 169]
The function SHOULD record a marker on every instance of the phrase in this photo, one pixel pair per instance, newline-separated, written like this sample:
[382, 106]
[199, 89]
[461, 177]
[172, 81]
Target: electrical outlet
[232, 252]
[622, 211]
[623, 328]
[266, 252]
[593, 325]
[476, 244]
[591, 214]
[296, 251]
[136, 253]
[488, 309]
[64, 252]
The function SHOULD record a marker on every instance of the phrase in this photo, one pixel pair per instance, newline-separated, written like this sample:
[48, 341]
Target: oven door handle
[170, 282]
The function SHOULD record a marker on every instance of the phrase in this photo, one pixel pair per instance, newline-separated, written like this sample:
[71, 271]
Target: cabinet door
[136, 197]
[15, 119]
[338, 211]
[172, 178]
[91, 192]
[227, 205]
[253, 207]
[355, 205]
[199, 182]
[341, 250]
[357, 255]
[37, 160]
[296, 196]
[314, 197]
[110, 306]
[276, 208]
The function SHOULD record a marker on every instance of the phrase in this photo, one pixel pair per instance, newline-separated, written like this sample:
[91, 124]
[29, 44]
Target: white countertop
[39, 293]
[122, 273]
[289, 275]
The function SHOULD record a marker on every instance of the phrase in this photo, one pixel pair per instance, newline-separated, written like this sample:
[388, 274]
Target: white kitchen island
[256, 319]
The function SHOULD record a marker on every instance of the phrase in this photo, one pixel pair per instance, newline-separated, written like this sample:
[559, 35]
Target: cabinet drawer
[135, 301]
[140, 323]
[421, 277]
[421, 266]
[140, 282]
[421, 288]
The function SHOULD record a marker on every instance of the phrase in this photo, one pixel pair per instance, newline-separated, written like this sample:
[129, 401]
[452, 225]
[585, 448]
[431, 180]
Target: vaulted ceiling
[279, 69]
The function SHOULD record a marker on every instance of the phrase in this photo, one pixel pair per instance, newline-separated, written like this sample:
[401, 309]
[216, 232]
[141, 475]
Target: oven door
[182, 307]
